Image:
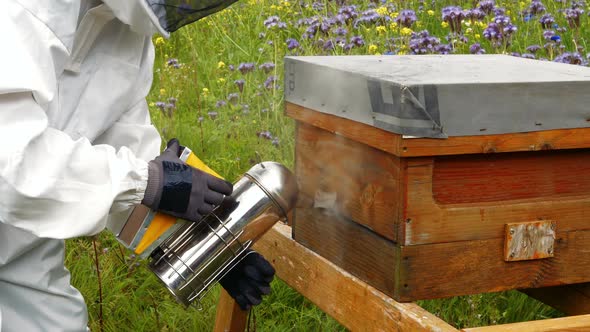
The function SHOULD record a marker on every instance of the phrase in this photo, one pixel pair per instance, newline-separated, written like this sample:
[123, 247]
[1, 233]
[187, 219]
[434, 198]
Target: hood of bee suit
[164, 16]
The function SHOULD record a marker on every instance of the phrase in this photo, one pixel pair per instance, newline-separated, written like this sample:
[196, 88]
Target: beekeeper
[78, 150]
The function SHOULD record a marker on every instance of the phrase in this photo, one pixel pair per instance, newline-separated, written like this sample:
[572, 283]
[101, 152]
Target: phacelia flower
[240, 84]
[547, 34]
[571, 58]
[292, 44]
[220, 103]
[547, 21]
[212, 115]
[423, 43]
[246, 67]
[453, 16]
[533, 49]
[475, 14]
[349, 13]
[476, 49]
[267, 67]
[573, 17]
[173, 62]
[487, 6]
[536, 7]
[271, 82]
[274, 21]
[406, 18]
[357, 41]
[233, 98]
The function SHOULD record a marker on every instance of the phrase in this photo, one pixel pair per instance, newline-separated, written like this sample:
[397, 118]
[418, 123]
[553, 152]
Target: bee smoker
[197, 255]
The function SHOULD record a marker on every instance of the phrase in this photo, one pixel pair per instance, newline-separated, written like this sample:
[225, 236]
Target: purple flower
[340, 31]
[571, 58]
[357, 41]
[271, 82]
[200, 119]
[475, 14]
[328, 45]
[349, 13]
[528, 56]
[267, 67]
[548, 34]
[212, 115]
[172, 101]
[499, 11]
[231, 67]
[406, 18]
[161, 105]
[486, 6]
[443, 49]
[453, 16]
[533, 49]
[423, 43]
[274, 21]
[173, 62]
[275, 141]
[546, 21]
[476, 49]
[573, 17]
[536, 7]
[262, 35]
[233, 98]
[246, 67]
[369, 17]
[220, 103]
[292, 44]
[264, 134]
[240, 84]
[499, 31]
[317, 6]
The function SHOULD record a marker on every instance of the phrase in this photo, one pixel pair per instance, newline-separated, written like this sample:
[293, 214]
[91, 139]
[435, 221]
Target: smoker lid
[443, 95]
[277, 181]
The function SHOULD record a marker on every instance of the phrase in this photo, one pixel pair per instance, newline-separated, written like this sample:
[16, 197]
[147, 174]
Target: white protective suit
[76, 137]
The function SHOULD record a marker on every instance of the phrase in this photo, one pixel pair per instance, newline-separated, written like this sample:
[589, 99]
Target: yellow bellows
[162, 222]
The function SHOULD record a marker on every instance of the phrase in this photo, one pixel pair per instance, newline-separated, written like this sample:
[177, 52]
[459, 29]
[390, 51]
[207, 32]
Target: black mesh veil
[174, 14]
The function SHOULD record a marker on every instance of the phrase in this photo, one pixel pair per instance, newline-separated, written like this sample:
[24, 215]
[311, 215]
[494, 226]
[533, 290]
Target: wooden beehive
[464, 209]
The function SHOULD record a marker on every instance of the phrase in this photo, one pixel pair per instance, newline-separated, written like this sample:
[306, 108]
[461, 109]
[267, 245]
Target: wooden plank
[430, 222]
[230, 317]
[569, 299]
[356, 131]
[349, 178]
[564, 324]
[348, 245]
[419, 147]
[499, 177]
[472, 267]
[356, 305]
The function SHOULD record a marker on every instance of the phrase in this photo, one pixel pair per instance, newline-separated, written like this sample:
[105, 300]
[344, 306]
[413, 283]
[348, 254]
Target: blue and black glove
[249, 280]
[180, 190]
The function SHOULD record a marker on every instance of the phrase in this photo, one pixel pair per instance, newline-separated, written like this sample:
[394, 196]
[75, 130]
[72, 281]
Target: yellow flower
[382, 11]
[406, 31]
[252, 2]
[444, 24]
[393, 15]
[400, 52]
[373, 48]
[159, 41]
[508, 12]
[273, 7]
[467, 23]
[477, 36]
[162, 92]
[205, 92]
[152, 104]
[393, 26]
[220, 65]
[286, 4]
[468, 31]
[279, 8]
[430, 12]
[418, 24]
[221, 80]
[381, 29]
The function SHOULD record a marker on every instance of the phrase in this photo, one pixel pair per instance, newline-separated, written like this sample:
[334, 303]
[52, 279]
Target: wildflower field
[218, 87]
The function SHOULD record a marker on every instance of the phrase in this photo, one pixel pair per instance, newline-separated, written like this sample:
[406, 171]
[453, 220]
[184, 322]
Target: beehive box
[437, 176]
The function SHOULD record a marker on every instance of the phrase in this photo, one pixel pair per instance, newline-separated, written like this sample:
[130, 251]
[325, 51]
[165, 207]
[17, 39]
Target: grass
[231, 129]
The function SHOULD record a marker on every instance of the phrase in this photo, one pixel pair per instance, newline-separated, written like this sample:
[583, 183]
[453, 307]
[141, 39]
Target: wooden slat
[356, 305]
[348, 178]
[472, 267]
[570, 299]
[510, 176]
[430, 222]
[356, 131]
[348, 245]
[229, 318]
[565, 324]
[417, 147]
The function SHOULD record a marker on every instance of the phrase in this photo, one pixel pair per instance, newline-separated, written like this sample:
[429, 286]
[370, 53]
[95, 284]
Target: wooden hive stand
[360, 307]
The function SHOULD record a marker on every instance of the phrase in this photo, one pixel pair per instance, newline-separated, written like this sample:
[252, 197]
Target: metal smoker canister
[197, 255]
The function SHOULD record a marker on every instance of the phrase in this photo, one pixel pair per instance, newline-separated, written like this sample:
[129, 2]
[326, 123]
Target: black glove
[249, 280]
[180, 190]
